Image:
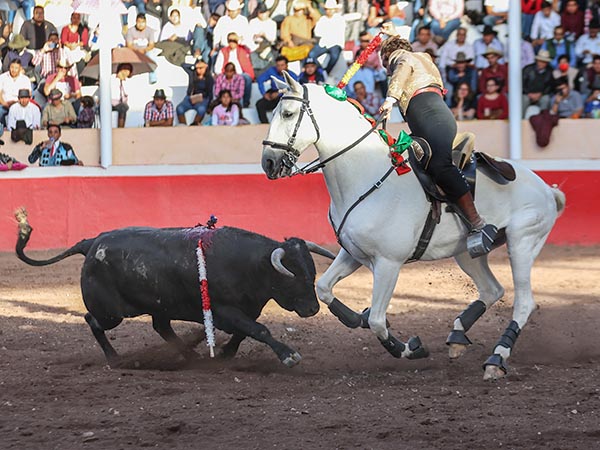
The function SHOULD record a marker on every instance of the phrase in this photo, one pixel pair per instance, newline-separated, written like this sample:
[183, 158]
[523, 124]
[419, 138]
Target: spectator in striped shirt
[159, 111]
[231, 81]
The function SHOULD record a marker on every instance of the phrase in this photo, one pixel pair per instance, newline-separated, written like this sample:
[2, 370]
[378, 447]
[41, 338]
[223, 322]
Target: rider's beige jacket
[411, 71]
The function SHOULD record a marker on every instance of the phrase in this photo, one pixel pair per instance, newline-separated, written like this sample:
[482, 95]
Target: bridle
[291, 156]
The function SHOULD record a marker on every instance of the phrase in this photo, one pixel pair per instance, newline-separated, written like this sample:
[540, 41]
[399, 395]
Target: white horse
[382, 231]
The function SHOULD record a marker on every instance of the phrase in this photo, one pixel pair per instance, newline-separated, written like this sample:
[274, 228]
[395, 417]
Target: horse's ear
[293, 84]
[281, 85]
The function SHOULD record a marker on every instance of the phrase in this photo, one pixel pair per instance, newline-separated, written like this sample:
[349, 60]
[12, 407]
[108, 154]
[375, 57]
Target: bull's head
[294, 289]
[293, 128]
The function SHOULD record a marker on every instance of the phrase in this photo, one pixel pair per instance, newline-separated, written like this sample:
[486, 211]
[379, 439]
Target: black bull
[134, 271]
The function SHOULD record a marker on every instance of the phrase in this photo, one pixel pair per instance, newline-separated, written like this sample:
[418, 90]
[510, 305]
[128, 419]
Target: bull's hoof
[456, 350]
[417, 349]
[292, 359]
[494, 368]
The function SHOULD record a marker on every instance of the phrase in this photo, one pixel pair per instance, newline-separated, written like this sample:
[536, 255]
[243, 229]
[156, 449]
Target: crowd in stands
[236, 44]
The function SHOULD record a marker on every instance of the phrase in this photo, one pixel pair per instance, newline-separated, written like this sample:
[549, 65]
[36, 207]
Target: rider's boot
[482, 235]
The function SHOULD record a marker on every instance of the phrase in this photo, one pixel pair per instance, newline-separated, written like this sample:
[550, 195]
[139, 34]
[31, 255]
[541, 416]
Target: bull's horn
[276, 258]
[314, 248]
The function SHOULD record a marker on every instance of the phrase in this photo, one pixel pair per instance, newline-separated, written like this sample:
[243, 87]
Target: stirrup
[479, 241]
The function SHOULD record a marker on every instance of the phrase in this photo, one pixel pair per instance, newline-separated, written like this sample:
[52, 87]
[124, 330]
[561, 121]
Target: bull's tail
[25, 230]
[559, 198]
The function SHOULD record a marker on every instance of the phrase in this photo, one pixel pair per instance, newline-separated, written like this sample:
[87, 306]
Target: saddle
[466, 159]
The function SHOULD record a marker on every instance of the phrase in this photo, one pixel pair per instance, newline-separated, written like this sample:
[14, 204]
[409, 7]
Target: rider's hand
[386, 109]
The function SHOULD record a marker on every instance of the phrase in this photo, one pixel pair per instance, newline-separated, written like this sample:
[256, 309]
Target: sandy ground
[56, 391]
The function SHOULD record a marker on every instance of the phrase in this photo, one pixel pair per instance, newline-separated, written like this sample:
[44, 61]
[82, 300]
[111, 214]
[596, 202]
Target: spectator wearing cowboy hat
[450, 50]
[57, 111]
[330, 31]
[159, 111]
[10, 84]
[119, 83]
[23, 117]
[65, 83]
[232, 22]
[462, 71]
[480, 46]
[537, 82]
[494, 70]
[17, 50]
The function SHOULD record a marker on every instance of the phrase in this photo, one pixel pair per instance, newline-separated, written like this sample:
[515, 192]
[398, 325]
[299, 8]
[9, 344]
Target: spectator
[537, 82]
[372, 74]
[544, 23]
[449, 51]
[140, 7]
[565, 102]
[263, 30]
[311, 72]
[446, 15]
[558, 45]
[65, 83]
[158, 9]
[48, 57]
[5, 31]
[369, 100]
[141, 38]
[424, 41]
[492, 104]
[17, 50]
[57, 111]
[226, 112]
[588, 44]
[381, 11]
[239, 55]
[10, 84]
[231, 81]
[496, 12]
[572, 20]
[25, 5]
[330, 30]
[589, 76]
[118, 88]
[529, 8]
[462, 71]
[527, 53]
[592, 102]
[494, 70]
[198, 94]
[203, 42]
[480, 46]
[296, 31]
[37, 30]
[87, 114]
[74, 40]
[159, 111]
[270, 98]
[463, 103]
[53, 152]
[563, 69]
[232, 22]
[175, 30]
[23, 118]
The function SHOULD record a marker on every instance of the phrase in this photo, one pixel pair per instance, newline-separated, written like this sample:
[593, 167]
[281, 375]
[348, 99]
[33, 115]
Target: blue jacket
[63, 155]
[266, 76]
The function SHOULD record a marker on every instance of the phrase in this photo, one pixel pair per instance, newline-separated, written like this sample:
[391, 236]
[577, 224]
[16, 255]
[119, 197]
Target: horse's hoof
[456, 350]
[417, 349]
[292, 360]
[493, 373]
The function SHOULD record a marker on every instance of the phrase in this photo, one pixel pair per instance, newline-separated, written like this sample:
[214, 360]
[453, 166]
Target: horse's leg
[343, 265]
[524, 241]
[385, 275]
[490, 291]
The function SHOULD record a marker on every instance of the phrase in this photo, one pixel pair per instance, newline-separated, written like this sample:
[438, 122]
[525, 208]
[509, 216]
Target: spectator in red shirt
[493, 104]
[240, 56]
[494, 70]
[572, 20]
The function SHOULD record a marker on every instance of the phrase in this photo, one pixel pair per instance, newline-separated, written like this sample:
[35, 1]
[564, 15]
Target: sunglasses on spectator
[232, 40]
[365, 40]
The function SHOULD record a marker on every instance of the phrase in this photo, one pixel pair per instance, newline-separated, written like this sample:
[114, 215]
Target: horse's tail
[82, 247]
[559, 198]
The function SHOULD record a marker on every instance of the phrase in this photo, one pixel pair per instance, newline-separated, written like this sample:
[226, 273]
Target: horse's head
[293, 128]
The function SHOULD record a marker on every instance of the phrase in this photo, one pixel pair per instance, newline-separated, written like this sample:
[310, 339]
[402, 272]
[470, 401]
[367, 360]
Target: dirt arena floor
[58, 393]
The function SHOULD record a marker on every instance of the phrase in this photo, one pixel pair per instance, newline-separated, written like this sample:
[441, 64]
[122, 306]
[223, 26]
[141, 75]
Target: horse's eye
[287, 114]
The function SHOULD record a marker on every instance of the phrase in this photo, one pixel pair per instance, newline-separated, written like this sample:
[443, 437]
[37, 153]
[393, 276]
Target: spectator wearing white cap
[232, 22]
[330, 31]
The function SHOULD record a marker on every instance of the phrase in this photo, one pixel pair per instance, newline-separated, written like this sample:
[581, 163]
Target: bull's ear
[293, 84]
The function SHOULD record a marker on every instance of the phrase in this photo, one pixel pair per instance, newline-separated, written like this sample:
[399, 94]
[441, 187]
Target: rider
[416, 85]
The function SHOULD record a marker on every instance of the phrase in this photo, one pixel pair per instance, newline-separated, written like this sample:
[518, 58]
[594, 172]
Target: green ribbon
[336, 92]
[404, 141]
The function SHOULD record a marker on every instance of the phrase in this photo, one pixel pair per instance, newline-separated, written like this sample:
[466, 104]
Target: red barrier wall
[67, 209]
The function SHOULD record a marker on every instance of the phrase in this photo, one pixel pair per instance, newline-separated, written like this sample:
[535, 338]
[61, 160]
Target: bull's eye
[287, 114]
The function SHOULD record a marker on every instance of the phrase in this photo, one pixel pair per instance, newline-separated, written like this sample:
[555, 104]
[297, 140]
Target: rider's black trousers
[429, 117]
